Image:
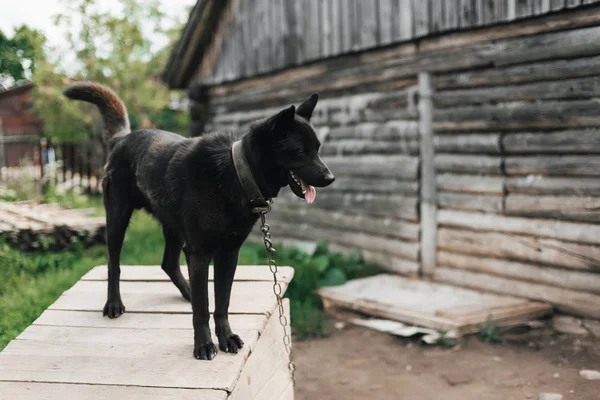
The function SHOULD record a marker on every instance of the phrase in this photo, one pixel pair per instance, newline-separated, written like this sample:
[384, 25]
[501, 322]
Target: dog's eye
[301, 150]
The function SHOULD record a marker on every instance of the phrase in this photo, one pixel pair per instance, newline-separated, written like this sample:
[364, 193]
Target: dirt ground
[357, 363]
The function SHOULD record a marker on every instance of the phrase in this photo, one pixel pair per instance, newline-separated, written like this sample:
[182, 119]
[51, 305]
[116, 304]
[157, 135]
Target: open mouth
[301, 189]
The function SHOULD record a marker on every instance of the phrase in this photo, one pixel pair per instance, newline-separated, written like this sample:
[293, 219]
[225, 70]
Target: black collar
[244, 173]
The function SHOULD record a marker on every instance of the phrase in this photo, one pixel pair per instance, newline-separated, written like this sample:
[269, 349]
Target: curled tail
[112, 108]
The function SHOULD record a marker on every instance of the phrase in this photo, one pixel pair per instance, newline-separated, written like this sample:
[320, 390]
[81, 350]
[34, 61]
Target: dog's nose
[329, 178]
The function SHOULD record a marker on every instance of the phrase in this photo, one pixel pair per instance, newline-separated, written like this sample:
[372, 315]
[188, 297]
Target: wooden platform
[72, 352]
[428, 304]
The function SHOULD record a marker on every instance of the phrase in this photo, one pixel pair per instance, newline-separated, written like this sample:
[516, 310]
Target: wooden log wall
[516, 149]
[261, 36]
[518, 173]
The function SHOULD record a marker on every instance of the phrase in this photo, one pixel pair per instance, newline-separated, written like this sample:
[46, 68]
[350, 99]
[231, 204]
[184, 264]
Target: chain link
[277, 290]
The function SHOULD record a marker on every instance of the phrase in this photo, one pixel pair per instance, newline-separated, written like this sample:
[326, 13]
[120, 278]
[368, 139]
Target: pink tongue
[310, 192]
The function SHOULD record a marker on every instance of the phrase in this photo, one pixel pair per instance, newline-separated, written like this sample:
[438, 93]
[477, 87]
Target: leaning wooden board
[430, 304]
[72, 352]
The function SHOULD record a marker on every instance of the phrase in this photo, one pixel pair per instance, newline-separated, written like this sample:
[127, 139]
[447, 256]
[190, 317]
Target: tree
[20, 54]
[112, 49]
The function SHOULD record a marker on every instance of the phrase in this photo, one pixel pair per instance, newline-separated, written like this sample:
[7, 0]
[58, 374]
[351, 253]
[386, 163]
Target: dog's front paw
[205, 351]
[230, 343]
[113, 308]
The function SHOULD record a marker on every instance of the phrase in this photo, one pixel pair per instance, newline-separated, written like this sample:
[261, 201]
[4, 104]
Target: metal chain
[277, 290]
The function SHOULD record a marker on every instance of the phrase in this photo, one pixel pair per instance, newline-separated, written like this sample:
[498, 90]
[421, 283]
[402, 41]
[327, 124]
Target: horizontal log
[404, 207]
[576, 208]
[356, 240]
[567, 279]
[360, 147]
[391, 130]
[345, 220]
[569, 301]
[400, 167]
[530, 72]
[571, 141]
[374, 185]
[515, 116]
[488, 143]
[470, 201]
[385, 261]
[556, 165]
[468, 163]
[470, 183]
[539, 184]
[569, 231]
[519, 247]
[565, 89]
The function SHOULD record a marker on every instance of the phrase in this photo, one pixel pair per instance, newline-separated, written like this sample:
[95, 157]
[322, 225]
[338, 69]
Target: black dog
[204, 195]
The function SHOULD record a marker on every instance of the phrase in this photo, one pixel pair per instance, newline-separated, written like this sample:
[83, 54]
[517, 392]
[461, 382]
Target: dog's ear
[283, 120]
[305, 109]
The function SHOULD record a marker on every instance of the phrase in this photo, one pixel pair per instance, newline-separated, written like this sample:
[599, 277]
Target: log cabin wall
[516, 140]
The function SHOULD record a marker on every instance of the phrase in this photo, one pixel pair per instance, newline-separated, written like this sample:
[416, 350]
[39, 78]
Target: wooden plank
[551, 114]
[519, 74]
[326, 27]
[575, 208]
[362, 147]
[401, 167]
[569, 231]
[345, 220]
[576, 88]
[60, 391]
[461, 163]
[557, 4]
[155, 273]
[571, 141]
[422, 303]
[346, 25]
[428, 199]
[572, 3]
[524, 8]
[374, 185]
[387, 262]
[156, 297]
[559, 165]
[368, 17]
[451, 14]
[391, 130]
[336, 27]
[572, 302]
[141, 321]
[487, 143]
[407, 25]
[436, 21]
[519, 247]
[472, 202]
[386, 19]
[548, 185]
[265, 372]
[567, 279]
[399, 248]
[421, 17]
[470, 183]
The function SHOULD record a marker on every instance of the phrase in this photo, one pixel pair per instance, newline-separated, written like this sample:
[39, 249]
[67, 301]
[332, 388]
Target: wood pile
[49, 227]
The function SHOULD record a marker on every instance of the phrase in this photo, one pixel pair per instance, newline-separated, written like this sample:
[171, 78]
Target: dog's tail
[112, 108]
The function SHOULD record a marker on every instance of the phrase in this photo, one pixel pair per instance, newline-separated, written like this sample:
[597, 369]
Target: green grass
[30, 282]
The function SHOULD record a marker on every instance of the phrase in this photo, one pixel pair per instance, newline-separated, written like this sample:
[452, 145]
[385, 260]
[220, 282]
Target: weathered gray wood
[62, 391]
[399, 248]
[558, 165]
[451, 14]
[388, 205]
[469, 201]
[547, 185]
[428, 200]
[572, 3]
[519, 247]
[511, 9]
[468, 164]
[326, 27]
[466, 17]
[386, 261]
[344, 220]
[436, 12]
[336, 26]
[571, 141]
[557, 4]
[401, 167]
[360, 147]
[407, 24]
[573, 302]
[421, 17]
[386, 19]
[569, 231]
[530, 72]
[576, 208]
[579, 88]
[368, 16]
[487, 143]
[551, 114]
[568, 279]
[391, 130]
[524, 8]
[374, 185]
[471, 183]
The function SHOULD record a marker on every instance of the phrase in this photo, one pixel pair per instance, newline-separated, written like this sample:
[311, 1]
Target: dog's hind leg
[225, 265]
[170, 262]
[118, 213]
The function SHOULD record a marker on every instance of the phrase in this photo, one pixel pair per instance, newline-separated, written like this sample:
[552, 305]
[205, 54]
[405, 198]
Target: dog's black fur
[191, 187]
